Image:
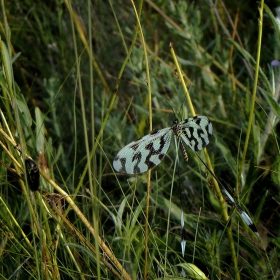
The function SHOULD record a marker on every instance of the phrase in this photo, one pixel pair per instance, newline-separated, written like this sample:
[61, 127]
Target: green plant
[74, 79]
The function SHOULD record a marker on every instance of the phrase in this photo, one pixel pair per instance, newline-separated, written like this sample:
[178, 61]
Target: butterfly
[148, 151]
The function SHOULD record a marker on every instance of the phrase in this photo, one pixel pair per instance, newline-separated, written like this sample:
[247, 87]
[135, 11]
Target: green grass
[79, 81]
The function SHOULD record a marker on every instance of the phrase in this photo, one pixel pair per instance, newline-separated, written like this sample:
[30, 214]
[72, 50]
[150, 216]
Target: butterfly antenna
[183, 230]
[232, 202]
[184, 102]
[171, 108]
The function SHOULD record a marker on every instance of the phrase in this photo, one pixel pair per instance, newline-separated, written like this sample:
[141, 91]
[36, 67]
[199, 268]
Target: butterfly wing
[195, 132]
[143, 154]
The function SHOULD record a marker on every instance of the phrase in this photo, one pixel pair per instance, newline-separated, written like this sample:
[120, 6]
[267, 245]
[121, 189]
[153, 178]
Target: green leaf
[23, 110]
[227, 155]
[243, 52]
[193, 271]
[190, 219]
[7, 64]
[272, 103]
[40, 128]
[252, 61]
[275, 22]
[275, 174]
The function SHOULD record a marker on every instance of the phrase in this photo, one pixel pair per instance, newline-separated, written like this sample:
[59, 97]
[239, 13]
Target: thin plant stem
[108, 111]
[151, 128]
[106, 250]
[208, 161]
[253, 99]
[84, 40]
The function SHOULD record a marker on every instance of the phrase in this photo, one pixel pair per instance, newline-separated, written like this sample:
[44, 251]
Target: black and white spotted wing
[147, 152]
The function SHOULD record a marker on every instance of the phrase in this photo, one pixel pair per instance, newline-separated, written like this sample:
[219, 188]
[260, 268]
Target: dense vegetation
[79, 80]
